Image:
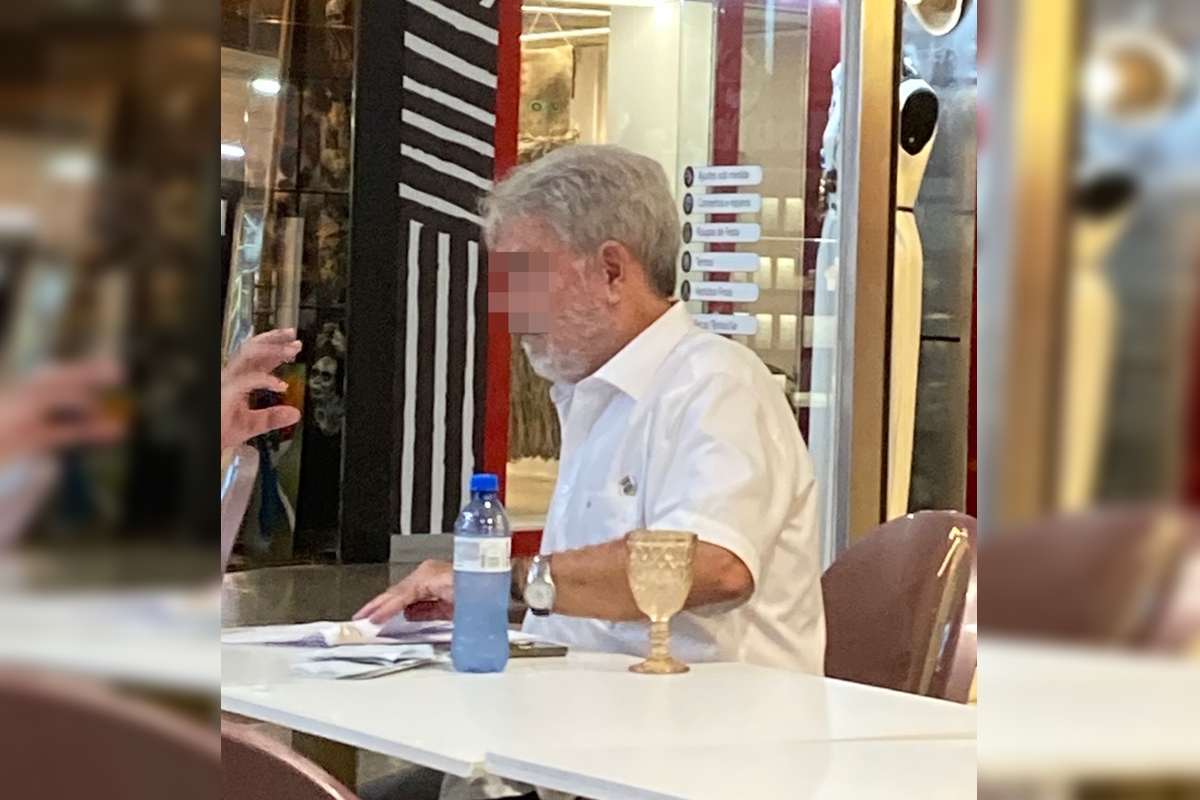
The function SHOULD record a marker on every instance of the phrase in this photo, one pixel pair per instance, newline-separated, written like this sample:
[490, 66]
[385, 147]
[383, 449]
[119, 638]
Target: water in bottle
[482, 550]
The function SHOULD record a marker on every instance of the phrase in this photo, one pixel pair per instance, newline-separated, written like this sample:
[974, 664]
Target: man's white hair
[590, 194]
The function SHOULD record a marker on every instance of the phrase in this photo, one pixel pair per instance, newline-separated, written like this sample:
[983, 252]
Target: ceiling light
[267, 86]
[73, 167]
[610, 3]
[567, 12]
[232, 150]
[568, 34]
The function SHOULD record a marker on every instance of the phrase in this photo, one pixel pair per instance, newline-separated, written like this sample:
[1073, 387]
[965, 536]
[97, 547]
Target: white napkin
[330, 634]
[357, 633]
[333, 663]
[389, 652]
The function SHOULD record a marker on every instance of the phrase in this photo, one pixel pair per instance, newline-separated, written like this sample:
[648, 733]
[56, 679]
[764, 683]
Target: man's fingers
[280, 335]
[78, 377]
[370, 607]
[429, 611]
[263, 420]
[245, 383]
[95, 429]
[391, 607]
[264, 352]
[390, 603]
[264, 357]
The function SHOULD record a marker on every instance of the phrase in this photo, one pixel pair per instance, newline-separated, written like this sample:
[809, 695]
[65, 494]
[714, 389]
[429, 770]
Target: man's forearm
[594, 581]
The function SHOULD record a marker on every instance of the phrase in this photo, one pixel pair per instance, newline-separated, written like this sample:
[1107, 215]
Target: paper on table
[388, 652]
[334, 669]
[359, 632]
[329, 634]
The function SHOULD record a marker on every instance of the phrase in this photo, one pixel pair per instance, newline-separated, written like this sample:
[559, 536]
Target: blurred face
[558, 302]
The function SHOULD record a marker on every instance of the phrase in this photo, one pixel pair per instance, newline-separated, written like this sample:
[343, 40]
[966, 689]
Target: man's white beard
[556, 367]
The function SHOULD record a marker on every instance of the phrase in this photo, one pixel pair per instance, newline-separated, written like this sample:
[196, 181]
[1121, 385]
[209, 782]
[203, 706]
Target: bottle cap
[485, 482]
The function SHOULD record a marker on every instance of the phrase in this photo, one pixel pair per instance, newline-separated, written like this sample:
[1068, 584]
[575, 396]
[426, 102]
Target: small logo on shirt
[628, 487]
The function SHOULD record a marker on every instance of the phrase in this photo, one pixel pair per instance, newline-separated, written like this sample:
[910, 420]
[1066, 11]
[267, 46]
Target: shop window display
[656, 77]
[287, 106]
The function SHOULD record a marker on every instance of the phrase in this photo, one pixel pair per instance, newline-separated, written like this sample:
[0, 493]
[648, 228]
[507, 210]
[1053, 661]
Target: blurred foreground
[1089, 181]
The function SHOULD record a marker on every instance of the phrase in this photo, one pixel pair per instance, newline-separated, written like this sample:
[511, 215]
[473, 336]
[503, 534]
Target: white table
[863, 770]
[158, 640]
[1055, 713]
[451, 722]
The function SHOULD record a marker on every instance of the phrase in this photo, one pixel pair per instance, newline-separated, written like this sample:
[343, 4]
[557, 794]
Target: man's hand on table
[426, 594]
[590, 582]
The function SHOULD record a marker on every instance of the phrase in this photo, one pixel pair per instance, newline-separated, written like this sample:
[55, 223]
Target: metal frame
[1047, 57]
[870, 58]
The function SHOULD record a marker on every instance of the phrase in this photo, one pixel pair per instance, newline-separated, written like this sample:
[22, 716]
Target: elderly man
[663, 426]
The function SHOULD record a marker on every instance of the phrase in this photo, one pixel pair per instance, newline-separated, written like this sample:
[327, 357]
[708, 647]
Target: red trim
[508, 91]
[526, 543]
[1191, 425]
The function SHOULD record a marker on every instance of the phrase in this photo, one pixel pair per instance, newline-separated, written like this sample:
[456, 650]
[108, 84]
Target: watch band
[540, 578]
[520, 577]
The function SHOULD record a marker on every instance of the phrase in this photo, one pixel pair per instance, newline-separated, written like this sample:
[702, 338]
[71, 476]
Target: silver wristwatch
[539, 587]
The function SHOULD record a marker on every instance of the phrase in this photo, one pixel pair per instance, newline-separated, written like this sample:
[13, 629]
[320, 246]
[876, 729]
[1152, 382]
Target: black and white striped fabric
[448, 160]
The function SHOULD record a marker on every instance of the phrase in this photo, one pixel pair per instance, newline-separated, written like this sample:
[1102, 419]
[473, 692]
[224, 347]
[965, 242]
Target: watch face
[539, 595]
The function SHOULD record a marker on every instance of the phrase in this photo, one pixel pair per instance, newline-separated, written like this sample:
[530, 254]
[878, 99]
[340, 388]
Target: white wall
[647, 90]
[660, 73]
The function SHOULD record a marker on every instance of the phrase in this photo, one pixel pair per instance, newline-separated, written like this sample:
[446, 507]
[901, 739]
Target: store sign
[721, 232]
[719, 291]
[723, 203]
[721, 262]
[728, 324]
[731, 175]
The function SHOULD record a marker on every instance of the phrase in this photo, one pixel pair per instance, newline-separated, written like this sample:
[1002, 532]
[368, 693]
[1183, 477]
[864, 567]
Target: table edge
[362, 741]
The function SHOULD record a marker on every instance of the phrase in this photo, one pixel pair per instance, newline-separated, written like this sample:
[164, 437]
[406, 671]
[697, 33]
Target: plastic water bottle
[482, 580]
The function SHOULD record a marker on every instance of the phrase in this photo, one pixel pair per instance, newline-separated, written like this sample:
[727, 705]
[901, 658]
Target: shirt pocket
[604, 516]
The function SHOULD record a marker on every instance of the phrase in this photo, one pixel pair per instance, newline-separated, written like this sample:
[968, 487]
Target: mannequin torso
[915, 138]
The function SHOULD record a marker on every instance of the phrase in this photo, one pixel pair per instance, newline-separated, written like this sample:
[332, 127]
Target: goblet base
[660, 666]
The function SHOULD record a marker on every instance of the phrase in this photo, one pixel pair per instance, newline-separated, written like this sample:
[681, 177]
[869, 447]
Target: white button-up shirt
[685, 430]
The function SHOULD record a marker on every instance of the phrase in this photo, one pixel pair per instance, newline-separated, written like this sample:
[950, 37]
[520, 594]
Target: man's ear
[616, 264]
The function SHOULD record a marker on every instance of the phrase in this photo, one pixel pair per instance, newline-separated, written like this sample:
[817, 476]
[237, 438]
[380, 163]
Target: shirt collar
[634, 366]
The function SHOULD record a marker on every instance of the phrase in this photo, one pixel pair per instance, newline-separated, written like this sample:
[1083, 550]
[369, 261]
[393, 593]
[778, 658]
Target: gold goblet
[660, 575]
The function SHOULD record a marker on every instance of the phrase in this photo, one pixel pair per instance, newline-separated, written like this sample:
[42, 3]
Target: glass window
[696, 84]
[933, 272]
[287, 73]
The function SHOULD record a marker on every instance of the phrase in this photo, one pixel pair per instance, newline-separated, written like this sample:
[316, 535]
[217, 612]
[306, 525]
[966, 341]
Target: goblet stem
[660, 638]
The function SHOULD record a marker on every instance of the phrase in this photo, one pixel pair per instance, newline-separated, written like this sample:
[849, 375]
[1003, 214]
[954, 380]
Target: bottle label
[485, 554]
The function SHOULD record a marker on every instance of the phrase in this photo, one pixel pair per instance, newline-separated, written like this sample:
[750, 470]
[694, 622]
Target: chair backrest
[71, 738]
[239, 470]
[896, 603]
[1100, 577]
[256, 767]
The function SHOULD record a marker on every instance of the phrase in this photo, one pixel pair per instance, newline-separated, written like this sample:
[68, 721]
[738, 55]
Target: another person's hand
[426, 594]
[248, 370]
[59, 406]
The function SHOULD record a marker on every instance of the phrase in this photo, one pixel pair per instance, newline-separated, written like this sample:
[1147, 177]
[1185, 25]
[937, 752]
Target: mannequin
[1102, 214]
[939, 17]
[823, 391]
[917, 131]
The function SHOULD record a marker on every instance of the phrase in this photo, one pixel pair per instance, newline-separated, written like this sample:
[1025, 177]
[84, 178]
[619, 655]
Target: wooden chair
[68, 738]
[1103, 577]
[256, 767]
[239, 470]
[900, 606]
